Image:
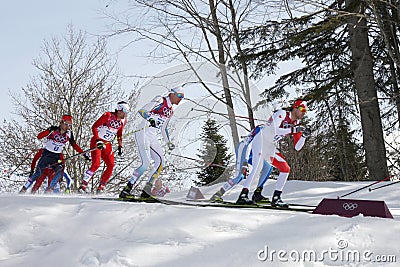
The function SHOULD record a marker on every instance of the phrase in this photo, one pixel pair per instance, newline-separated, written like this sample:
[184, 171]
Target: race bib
[106, 134]
[54, 147]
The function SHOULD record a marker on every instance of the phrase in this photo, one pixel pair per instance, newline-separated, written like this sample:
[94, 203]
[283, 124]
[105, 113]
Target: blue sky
[25, 26]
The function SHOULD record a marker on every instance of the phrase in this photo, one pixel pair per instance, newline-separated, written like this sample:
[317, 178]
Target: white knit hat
[123, 106]
[178, 90]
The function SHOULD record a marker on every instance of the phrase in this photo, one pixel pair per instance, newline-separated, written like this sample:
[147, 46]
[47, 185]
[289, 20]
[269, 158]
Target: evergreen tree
[327, 79]
[215, 153]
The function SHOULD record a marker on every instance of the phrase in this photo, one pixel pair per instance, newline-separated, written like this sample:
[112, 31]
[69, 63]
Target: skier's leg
[241, 159]
[157, 155]
[265, 173]
[143, 146]
[108, 157]
[284, 170]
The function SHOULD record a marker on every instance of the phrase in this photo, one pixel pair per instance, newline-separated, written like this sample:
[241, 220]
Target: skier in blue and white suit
[155, 117]
[243, 158]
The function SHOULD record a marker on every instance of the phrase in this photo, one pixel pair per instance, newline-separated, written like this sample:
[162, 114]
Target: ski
[225, 204]
[228, 204]
[130, 199]
[258, 203]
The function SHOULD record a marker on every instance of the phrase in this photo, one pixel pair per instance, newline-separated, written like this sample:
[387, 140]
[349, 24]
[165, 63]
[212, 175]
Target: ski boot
[23, 190]
[83, 189]
[48, 190]
[277, 201]
[258, 197]
[126, 191]
[217, 197]
[100, 189]
[244, 198]
[146, 192]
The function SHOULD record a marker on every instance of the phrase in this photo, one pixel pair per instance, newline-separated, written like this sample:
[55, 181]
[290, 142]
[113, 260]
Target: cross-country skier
[282, 123]
[243, 158]
[52, 183]
[155, 117]
[57, 137]
[56, 186]
[47, 172]
[109, 125]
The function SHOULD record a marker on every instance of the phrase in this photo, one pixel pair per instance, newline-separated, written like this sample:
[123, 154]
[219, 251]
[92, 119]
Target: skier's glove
[52, 128]
[100, 144]
[297, 129]
[171, 146]
[87, 157]
[119, 151]
[152, 123]
[307, 132]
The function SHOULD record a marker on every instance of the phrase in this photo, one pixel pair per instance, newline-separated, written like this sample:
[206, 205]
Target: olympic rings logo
[60, 139]
[286, 125]
[115, 124]
[350, 206]
[167, 112]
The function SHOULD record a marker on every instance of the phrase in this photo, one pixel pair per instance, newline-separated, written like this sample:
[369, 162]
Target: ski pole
[374, 183]
[73, 156]
[137, 130]
[372, 189]
[198, 160]
[79, 154]
[224, 114]
[19, 165]
[83, 152]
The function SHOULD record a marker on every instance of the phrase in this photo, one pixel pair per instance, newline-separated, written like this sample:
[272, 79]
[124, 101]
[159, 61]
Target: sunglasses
[68, 124]
[180, 95]
[302, 109]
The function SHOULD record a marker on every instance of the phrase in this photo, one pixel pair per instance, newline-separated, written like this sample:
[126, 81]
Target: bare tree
[187, 31]
[74, 78]
[236, 23]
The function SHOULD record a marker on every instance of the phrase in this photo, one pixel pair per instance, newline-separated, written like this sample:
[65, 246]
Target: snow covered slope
[49, 230]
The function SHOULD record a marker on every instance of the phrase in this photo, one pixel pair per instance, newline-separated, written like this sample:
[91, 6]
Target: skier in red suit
[109, 125]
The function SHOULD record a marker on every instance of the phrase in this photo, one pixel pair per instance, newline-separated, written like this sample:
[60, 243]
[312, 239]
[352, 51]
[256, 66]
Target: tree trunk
[362, 66]
[246, 85]
[224, 75]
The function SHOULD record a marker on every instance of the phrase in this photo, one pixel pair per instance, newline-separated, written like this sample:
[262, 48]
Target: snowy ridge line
[206, 204]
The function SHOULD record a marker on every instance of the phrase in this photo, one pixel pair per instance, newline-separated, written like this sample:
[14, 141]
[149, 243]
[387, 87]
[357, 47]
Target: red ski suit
[105, 129]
